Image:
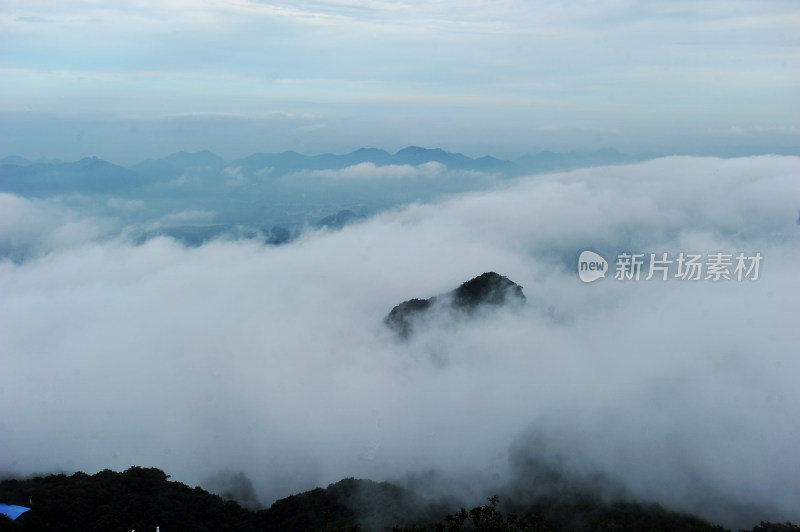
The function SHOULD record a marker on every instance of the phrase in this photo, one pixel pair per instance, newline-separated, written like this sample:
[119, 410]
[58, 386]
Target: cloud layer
[273, 361]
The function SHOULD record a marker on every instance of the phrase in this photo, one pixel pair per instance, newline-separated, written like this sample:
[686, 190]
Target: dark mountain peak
[104, 501]
[352, 504]
[489, 288]
[144, 498]
[486, 290]
[401, 317]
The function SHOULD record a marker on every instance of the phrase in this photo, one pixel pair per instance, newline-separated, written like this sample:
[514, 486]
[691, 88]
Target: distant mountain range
[205, 162]
[185, 174]
[290, 161]
[202, 169]
[195, 197]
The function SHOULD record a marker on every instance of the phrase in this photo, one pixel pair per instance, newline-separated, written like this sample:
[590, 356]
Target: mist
[273, 361]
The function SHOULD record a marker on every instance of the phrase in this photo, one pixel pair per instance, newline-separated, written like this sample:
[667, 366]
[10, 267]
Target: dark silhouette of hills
[353, 502]
[144, 498]
[486, 290]
[139, 498]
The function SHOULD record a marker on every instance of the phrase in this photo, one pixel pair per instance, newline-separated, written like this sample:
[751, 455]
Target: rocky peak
[486, 290]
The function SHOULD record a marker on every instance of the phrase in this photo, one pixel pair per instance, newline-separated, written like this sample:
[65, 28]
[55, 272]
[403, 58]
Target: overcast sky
[508, 77]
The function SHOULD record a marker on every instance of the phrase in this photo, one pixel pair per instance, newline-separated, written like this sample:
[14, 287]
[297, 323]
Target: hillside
[145, 498]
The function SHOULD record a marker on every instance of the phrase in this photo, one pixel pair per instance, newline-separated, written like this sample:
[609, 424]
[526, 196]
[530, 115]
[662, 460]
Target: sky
[127, 80]
[273, 361]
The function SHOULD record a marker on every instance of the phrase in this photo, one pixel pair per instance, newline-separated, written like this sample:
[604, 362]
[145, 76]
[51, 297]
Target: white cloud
[188, 217]
[274, 361]
[31, 228]
[390, 171]
[235, 176]
[125, 205]
[750, 130]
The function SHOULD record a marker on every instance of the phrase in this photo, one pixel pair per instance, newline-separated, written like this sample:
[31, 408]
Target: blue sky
[134, 78]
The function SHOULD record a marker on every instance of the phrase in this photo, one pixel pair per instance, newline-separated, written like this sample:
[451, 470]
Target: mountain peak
[489, 289]
[419, 149]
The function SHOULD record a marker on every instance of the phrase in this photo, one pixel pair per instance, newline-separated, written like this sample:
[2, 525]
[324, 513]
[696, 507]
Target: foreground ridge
[145, 498]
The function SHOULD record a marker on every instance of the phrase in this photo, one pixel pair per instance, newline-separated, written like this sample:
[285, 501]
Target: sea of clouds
[274, 361]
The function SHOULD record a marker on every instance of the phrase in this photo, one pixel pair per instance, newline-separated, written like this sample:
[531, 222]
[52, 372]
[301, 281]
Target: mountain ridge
[143, 498]
[412, 155]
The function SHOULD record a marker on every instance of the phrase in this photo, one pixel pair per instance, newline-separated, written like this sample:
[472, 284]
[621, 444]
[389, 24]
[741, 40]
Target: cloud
[125, 205]
[235, 176]
[390, 171]
[750, 130]
[273, 361]
[188, 217]
[31, 228]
